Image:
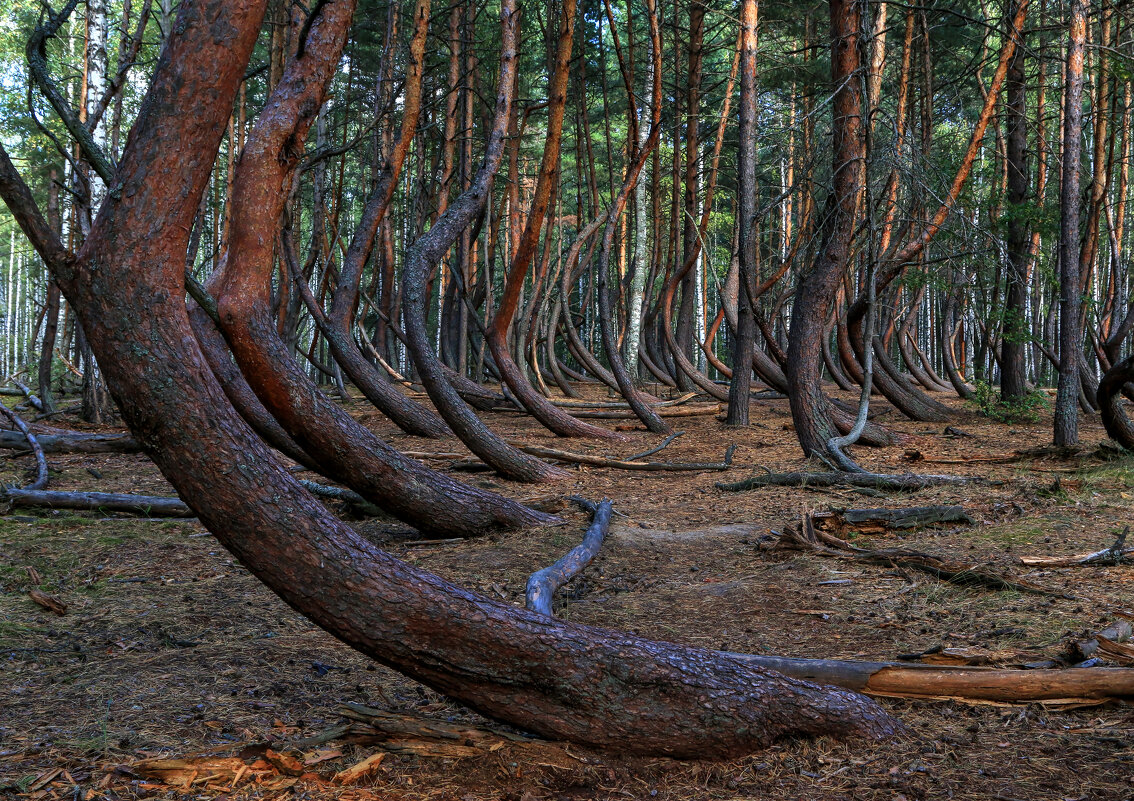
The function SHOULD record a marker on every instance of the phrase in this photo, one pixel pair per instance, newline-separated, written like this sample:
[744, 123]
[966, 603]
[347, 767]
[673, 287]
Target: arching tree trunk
[634, 398]
[561, 680]
[423, 255]
[555, 419]
[411, 417]
[345, 450]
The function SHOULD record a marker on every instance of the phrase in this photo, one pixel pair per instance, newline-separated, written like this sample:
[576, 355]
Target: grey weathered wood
[906, 518]
[543, 583]
[33, 444]
[908, 481]
[152, 505]
[72, 443]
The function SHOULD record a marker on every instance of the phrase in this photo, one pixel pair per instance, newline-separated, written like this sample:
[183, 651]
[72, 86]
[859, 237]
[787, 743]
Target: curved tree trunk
[428, 251]
[552, 417]
[346, 451]
[239, 394]
[541, 674]
[626, 386]
[1114, 417]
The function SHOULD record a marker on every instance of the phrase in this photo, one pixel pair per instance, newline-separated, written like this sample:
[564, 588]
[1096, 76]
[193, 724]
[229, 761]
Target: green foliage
[987, 400]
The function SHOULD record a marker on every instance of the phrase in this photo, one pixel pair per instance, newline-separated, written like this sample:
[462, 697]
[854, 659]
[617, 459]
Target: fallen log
[543, 583]
[806, 538]
[150, 505]
[72, 443]
[33, 444]
[1069, 686]
[838, 478]
[626, 414]
[871, 521]
[622, 464]
[585, 404]
[409, 734]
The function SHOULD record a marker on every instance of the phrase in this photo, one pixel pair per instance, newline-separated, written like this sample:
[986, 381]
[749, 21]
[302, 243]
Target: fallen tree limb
[72, 443]
[36, 403]
[1070, 686]
[543, 583]
[662, 446]
[835, 478]
[33, 444]
[622, 464]
[425, 737]
[626, 414]
[151, 505]
[585, 404]
[807, 538]
[1114, 555]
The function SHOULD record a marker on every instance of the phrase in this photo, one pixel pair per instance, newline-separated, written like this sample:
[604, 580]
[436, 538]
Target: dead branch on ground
[806, 538]
[40, 460]
[543, 583]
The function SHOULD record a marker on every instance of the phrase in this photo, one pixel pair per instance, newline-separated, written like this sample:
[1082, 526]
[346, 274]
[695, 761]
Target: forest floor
[171, 649]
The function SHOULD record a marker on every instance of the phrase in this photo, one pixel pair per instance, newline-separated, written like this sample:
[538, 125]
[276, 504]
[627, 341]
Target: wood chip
[361, 770]
[284, 763]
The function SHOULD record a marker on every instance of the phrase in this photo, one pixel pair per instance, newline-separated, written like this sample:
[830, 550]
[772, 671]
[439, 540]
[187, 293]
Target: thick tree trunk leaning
[127, 286]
